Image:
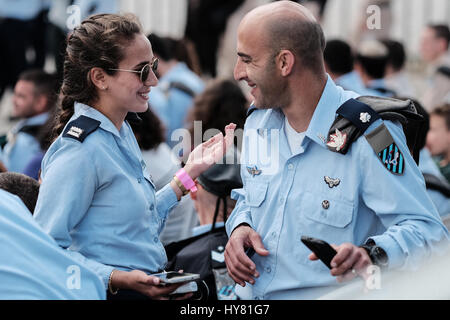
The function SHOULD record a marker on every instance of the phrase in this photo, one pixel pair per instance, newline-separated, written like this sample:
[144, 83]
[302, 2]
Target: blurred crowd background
[390, 48]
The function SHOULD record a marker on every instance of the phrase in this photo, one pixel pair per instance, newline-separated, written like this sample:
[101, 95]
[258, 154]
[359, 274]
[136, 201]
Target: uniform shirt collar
[106, 124]
[324, 114]
[322, 119]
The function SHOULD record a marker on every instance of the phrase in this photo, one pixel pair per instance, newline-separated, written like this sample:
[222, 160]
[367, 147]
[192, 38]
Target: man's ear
[40, 104]
[285, 61]
[98, 78]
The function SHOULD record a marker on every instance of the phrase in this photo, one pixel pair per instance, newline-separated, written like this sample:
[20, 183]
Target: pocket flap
[339, 213]
[256, 193]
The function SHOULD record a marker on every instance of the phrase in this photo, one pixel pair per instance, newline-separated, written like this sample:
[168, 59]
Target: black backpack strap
[133, 118]
[32, 130]
[434, 183]
[3, 141]
[182, 87]
[80, 128]
[354, 117]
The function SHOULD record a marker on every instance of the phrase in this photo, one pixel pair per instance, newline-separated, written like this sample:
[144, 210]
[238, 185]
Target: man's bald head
[286, 25]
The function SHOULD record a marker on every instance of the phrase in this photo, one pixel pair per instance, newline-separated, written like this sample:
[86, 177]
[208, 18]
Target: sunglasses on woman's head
[145, 71]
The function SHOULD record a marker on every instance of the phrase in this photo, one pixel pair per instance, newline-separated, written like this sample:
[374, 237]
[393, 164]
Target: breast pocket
[326, 218]
[323, 212]
[256, 193]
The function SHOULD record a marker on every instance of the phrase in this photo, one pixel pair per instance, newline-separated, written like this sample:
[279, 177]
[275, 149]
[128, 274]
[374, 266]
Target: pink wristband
[186, 180]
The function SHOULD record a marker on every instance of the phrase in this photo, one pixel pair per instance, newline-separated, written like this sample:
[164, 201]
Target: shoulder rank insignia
[386, 149]
[80, 128]
[254, 171]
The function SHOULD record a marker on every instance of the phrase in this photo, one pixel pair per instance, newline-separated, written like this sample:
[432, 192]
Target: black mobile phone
[322, 249]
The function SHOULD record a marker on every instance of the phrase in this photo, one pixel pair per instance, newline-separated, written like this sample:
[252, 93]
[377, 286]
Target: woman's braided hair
[99, 41]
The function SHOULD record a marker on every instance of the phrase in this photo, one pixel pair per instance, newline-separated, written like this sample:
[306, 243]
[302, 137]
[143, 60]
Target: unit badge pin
[254, 171]
[332, 182]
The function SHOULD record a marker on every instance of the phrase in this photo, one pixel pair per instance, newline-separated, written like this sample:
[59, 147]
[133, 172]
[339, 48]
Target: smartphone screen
[176, 277]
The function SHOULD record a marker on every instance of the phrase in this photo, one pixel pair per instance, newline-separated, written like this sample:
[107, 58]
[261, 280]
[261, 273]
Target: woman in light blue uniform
[96, 198]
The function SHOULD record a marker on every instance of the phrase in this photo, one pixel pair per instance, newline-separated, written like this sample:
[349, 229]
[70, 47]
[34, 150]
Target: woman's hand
[148, 285]
[209, 152]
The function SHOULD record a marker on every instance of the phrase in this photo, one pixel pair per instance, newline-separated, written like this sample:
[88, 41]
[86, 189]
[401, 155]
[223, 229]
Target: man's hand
[348, 258]
[239, 265]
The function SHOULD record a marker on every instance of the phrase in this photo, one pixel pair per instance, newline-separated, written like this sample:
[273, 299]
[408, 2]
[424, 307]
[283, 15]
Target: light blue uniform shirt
[352, 81]
[284, 200]
[33, 266]
[427, 165]
[18, 153]
[22, 9]
[172, 105]
[98, 201]
[204, 228]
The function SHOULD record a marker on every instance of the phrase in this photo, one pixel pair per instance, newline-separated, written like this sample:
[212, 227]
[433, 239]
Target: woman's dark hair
[149, 132]
[222, 102]
[100, 41]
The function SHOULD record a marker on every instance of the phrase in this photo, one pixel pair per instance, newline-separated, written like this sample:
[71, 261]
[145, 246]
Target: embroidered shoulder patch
[80, 128]
[387, 150]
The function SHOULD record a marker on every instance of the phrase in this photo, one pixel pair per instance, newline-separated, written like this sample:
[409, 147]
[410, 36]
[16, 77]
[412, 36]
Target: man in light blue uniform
[294, 185]
[33, 266]
[428, 166]
[34, 97]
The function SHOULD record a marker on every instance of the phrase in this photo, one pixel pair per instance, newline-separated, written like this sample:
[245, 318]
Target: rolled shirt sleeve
[241, 213]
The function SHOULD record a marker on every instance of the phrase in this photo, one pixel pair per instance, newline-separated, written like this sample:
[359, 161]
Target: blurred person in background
[206, 22]
[60, 19]
[371, 61]
[162, 164]
[26, 188]
[339, 64]
[22, 27]
[438, 139]
[437, 186]
[44, 137]
[203, 253]
[177, 87]
[434, 46]
[395, 76]
[184, 51]
[222, 102]
[34, 97]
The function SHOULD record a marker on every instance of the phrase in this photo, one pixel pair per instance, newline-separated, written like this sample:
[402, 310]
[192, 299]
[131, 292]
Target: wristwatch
[376, 253]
